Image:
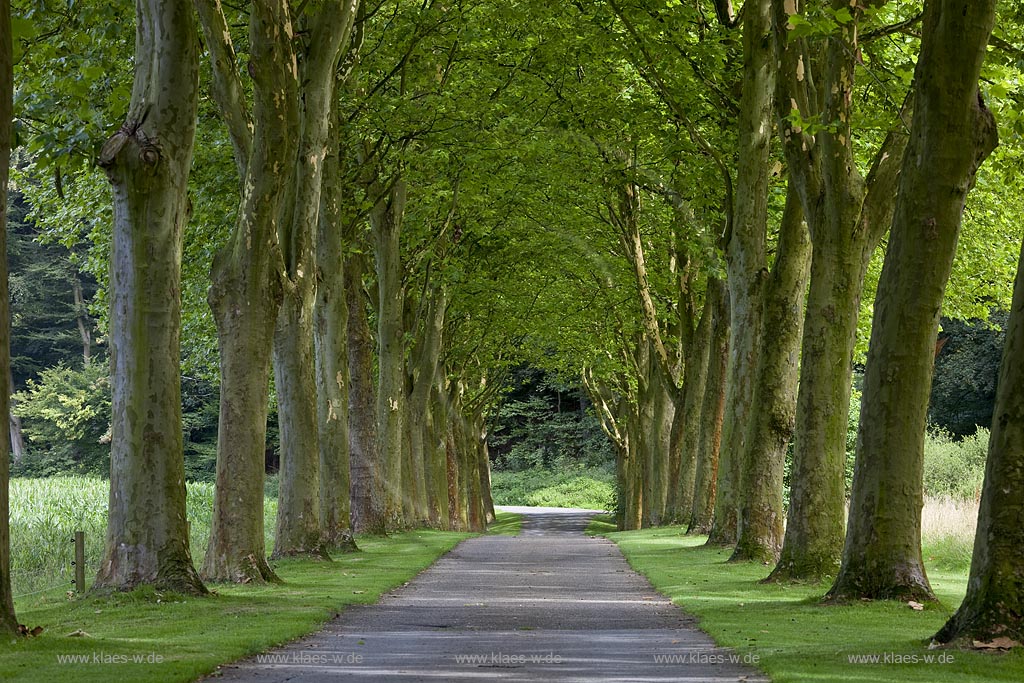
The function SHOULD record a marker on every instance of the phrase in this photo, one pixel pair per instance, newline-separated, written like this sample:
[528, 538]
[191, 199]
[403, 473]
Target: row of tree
[398, 202]
[707, 400]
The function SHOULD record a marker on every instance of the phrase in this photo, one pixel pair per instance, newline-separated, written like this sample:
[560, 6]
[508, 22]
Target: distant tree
[966, 370]
[49, 300]
[8, 622]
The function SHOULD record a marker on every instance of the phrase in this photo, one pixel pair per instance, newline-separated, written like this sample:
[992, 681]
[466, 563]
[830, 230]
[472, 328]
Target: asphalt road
[548, 605]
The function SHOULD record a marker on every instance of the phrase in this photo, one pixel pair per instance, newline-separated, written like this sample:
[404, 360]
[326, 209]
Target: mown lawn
[148, 636]
[793, 636]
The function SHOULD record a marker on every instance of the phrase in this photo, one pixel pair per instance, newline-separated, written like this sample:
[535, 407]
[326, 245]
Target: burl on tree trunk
[148, 161]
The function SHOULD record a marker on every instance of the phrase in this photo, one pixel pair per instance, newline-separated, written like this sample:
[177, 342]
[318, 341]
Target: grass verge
[149, 636]
[505, 524]
[791, 636]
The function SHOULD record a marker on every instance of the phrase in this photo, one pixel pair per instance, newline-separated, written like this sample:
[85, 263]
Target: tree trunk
[330, 315]
[458, 502]
[148, 162]
[437, 460]
[771, 424]
[745, 255]
[367, 471]
[633, 468]
[712, 410]
[471, 472]
[687, 420]
[386, 219]
[994, 606]
[846, 218]
[17, 437]
[424, 371]
[8, 621]
[298, 507]
[951, 135]
[82, 318]
[245, 291]
[484, 466]
[656, 426]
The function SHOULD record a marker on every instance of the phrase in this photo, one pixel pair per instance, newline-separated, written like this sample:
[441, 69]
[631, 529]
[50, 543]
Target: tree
[712, 411]
[760, 524]
[322, 30]
[951, 135]
[148, 163]
[244, 291]
[745, 250]
[846, 217]
[8, 621]
[331, 312]
[994, 605]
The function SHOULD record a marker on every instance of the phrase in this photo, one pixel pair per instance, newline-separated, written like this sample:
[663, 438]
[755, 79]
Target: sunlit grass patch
[794, 637]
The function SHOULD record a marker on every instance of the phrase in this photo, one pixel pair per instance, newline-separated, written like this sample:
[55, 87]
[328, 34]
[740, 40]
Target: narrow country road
[548, 605]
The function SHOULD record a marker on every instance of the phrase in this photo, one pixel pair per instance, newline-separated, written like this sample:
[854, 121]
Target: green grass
[795, 637]
[600, 525]
[591, 488]
[193, 635]
[506, 524]
[45, 513]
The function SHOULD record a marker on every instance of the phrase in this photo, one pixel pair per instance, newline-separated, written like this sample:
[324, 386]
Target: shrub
[66, 415]
[955, 469]
[579, 487]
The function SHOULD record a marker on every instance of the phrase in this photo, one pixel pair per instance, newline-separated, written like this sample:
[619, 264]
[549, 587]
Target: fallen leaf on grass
[1000, 643]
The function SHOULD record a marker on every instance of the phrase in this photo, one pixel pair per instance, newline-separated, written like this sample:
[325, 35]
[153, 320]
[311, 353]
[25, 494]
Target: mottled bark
[746, 258]
[951, 135]
[458, 487]
[472, 452]
[484, 469]
[657, 410]
[330, 313]
[148, 162]
[423, 378]
[8, 621]
[14, 423]
[686, 425]
[846, 217]
[298, 505]
[245, 291]
[386, 220]
[712, 411]
[994, 605]
[771, 424]
[436, 454]
[367, 473]
[633, 471]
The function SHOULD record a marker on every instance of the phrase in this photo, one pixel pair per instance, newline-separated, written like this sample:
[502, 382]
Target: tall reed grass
[45, 513]
[947, 532]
